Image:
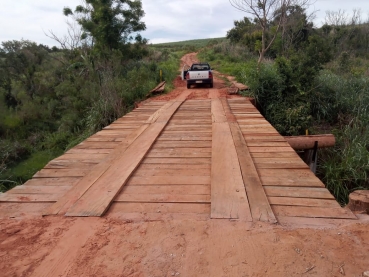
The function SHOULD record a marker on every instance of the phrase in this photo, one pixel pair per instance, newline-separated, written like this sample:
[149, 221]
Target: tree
[265, 12]
[109, 23]
[295, 31]
[21, 61]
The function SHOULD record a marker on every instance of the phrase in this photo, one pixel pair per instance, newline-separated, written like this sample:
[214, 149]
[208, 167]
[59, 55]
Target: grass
[26, 169]
[194, 42]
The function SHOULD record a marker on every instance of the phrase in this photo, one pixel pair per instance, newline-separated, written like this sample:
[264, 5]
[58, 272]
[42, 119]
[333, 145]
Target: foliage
[74, 94]
[311, 84]
[270, 17]
[109, 24]
[346, 166]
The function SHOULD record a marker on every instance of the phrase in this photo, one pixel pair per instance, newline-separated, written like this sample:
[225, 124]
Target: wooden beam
[259, 204]
[98, 198]
[228, 196]
[307, 142]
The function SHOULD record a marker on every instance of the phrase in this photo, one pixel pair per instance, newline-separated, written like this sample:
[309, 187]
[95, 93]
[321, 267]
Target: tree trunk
[307, 142]
[359, 201]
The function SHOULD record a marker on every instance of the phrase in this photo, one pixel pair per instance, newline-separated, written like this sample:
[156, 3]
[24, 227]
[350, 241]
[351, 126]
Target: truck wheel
[188, 86]
[211, 85]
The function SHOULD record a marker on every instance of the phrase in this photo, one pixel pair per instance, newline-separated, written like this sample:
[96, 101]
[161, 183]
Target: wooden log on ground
[307, 142]
[359, 201]
[158, 89]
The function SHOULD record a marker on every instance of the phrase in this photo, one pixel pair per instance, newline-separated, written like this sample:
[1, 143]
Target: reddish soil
[112, 246]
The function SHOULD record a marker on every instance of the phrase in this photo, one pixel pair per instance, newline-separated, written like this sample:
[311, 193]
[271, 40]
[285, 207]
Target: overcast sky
[166, 20]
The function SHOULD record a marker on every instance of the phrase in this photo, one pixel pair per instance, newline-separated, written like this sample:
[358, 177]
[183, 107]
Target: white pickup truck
[198, 73]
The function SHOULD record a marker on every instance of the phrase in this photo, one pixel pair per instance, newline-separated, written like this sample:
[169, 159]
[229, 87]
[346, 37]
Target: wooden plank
[83, 157]
[64, 181]
[307, 202]
[163, 208]
[182, 144]
[85, 183]
[272, 160]
[165, 189]
[275, 165]
[217, 112]
[176, 160]
[313, 212]
[259, 204]
[276, 155]
[104, 138]
[144, 166]
[228, 196]
[184, 138]
[20, 209]
[300, 192]
[26, 198]
[261, 137]
[97, 145]
[98, 198]
[177, 153]
[267, 144]
[54, 173]
[101, 192]
[26, 189]
[55, 164]
[172, 172]
[291, 182]
[292, 173]
[88, 151]
[168, 180]
[162, 198]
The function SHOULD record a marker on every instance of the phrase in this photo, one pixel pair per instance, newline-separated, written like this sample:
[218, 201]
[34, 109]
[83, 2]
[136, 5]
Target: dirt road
[165, 246]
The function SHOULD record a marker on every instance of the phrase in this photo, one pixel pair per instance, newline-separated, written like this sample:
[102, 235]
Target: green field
[195, 42]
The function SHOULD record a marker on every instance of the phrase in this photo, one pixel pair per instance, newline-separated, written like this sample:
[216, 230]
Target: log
[307, 142]
[359, 201]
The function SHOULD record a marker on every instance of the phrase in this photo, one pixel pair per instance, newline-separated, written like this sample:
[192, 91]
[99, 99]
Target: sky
[166, 20]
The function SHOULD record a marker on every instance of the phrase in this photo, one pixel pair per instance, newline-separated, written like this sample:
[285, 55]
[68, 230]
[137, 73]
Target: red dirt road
[181, 246]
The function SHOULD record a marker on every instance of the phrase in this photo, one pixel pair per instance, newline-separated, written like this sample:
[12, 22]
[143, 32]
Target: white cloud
[166, 20]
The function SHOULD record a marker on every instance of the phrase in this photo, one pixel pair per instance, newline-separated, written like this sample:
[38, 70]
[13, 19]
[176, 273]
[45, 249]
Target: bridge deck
[210, 158]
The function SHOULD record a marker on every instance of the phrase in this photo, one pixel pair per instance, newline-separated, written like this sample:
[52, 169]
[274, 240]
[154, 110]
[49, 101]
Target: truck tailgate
[198, 75]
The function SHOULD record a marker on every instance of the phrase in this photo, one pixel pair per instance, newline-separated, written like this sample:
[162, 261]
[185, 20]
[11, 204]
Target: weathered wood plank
[259, 205]
[228, 196]
[172, 172]
[27, 198]
[26, 189]
[165, 189]
[121, 207]
[98, 198]
[176, 160]
[63, 181]
[168, 180]
[55, 173]
[301, 192]
[97, 171]
[291, 182]
[307, 202]
[313, 212]
[162, 198]
[182, 144]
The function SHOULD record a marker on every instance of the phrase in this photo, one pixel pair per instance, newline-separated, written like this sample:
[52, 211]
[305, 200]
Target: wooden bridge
[200, 158]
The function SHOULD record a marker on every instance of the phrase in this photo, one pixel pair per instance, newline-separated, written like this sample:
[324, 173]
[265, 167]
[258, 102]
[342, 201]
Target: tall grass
[345, 167]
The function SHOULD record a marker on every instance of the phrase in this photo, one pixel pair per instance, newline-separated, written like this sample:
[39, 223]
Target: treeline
[53, 98]
[314, 79]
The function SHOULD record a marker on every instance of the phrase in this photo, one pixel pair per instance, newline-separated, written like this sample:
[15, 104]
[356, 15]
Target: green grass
[193, 42]
[27, 168]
